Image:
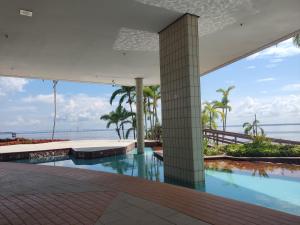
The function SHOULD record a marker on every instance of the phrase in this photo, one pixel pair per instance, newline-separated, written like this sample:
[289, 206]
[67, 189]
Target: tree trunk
[154, 117]
[145, 121]
[123, 131]
[118, 131]
[225, 119]
[210, 120]
[149, 111]
[132, 117]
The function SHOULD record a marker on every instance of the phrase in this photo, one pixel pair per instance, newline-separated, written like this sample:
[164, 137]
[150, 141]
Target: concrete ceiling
[106, 40]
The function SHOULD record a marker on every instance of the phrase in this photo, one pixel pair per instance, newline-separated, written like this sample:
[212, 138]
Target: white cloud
[10, 85]
[47, 99]
[21, 121]
[282, 50]
[268, 109]
[82, 107]
[265, 79]
[74, 108]
[251, 67]
[277, 60]
[291, 87]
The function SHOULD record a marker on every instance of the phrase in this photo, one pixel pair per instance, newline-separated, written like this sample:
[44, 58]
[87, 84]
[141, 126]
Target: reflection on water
[271, 185]
[261, 169]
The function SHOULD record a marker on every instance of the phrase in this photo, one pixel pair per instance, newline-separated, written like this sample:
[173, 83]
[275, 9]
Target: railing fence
[226, 137]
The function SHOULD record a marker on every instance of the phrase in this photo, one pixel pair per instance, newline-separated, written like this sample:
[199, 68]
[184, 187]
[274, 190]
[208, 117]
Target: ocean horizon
[289, 131]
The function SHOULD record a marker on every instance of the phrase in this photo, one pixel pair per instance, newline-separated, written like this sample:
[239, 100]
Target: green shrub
[214, 150]
[261, 148]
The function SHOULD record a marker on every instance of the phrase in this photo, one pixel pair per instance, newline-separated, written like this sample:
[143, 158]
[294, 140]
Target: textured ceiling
[136, 40]
[214, 15]
[116, 40]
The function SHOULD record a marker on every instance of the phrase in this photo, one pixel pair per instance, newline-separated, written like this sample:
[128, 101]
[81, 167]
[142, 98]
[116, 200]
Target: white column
[140, 115]
[180, 95]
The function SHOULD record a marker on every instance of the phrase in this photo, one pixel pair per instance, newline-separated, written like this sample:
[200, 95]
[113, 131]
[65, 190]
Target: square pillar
[181, 107]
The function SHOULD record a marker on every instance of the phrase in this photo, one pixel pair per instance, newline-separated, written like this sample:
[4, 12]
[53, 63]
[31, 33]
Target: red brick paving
[40, 205]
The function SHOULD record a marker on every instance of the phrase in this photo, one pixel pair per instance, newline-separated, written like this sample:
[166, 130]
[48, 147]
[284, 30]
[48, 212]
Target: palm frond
[122, 98]
[246, 124]
[296, 40]
[128, 132]
[114, 95]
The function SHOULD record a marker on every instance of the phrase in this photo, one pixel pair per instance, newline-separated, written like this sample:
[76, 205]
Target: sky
[266, 83]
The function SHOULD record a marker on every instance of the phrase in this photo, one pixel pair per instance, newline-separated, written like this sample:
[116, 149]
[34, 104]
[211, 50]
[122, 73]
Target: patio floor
[75, 144]
[34, 194]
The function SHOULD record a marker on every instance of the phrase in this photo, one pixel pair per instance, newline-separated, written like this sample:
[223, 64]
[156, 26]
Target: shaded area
[270, 185]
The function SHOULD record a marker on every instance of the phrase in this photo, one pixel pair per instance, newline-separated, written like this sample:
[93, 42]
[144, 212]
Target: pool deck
[35, 194]
[65, 145]
[83, 149]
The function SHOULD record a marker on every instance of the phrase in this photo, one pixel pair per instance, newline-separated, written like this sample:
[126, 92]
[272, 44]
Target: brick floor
[34, 194]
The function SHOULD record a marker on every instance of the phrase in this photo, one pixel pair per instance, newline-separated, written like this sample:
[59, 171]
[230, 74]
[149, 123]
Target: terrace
[133, 42]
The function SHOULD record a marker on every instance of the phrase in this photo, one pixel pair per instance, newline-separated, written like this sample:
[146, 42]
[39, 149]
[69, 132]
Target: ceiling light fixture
[25, 13]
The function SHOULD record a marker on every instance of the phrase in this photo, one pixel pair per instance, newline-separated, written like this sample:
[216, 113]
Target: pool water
[275, 186]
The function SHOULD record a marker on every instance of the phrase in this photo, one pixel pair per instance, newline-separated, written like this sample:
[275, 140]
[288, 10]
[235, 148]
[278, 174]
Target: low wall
[13, 156]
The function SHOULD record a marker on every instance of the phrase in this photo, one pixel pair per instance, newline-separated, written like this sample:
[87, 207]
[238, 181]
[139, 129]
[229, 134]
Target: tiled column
[140, 115]
[180, 95]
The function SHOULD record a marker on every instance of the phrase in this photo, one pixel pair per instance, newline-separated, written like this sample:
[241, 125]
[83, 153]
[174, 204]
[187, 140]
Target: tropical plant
[148, 95]
[253, 128]
[54, 84]
[127, 94]
[117, 117]
[204, 119]
[212, 113]
[151, 98]
[155, 98]
[262, 149]
[124, 120]
[224, 104]
[155, 133]
[296, 40]
[132, 125]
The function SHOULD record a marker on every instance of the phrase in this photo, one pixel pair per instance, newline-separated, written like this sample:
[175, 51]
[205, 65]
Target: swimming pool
[275, 186]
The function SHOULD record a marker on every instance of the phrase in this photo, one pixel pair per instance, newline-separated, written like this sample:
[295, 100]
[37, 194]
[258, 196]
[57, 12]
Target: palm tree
[114, 117]
[126, 93]
[253, 128]
[296, 40]
[204, 119]
[54, 83]
[148, 94]
[212, 112]
[151, 98]
[224, 104]
[131, 128]
[145, 111]
[155, 97]
[124, 120]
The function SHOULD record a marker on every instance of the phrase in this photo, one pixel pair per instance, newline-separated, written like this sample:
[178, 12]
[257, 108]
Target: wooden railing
[225, 137]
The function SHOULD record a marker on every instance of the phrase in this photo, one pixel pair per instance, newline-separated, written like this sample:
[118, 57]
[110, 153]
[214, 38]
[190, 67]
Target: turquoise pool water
[275, 186]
